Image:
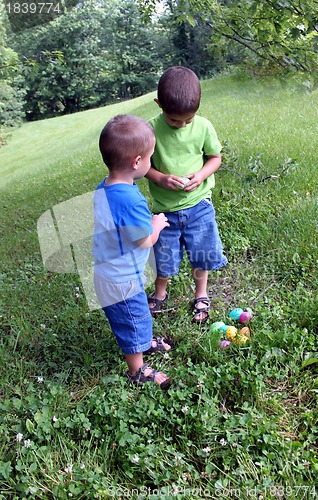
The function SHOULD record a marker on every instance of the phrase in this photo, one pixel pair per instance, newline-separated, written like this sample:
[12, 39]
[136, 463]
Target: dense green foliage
[275, 34]
[235, 424]
[11, 112]
[98, 52]
[106, 53]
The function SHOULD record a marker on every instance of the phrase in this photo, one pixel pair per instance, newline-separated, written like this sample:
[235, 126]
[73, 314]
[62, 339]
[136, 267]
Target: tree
[277, 34]
[134, 51]
[190, 41]
[96, 53]
[68, 62]
[11, 112]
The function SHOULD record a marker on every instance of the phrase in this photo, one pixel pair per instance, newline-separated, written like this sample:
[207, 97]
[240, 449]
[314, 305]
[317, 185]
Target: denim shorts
[131, 323]
[194, 230]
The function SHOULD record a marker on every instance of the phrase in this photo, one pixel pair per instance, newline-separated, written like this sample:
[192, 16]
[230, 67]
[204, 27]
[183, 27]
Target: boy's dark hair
[179, 91]
[123, 138]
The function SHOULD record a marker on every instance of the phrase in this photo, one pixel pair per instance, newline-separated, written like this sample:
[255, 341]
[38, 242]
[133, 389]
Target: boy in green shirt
[187, 153]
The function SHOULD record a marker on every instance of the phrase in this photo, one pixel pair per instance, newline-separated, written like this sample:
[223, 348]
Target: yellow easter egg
[231, 332]
[241, 339]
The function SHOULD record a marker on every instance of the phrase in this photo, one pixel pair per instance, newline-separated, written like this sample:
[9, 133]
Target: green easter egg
[215, 327]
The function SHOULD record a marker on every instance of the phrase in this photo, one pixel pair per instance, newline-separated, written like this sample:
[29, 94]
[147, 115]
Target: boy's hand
[172, 182]
[159, 221]
[194, 182]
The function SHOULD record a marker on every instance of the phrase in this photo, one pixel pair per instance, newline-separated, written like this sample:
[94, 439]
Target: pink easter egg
[245, 317]
[225, 344]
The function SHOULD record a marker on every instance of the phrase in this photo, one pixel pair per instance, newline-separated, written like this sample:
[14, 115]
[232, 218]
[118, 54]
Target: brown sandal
[159, 346]
[140, 378]
[155, 304]
[197, 311]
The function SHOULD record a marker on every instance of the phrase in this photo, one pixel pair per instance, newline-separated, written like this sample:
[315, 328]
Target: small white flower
[77, 288]
[166, 355]
[82, 466]
[206, 450]
[40, 380]
[135, 459]
[87, 315]
[223, 442]
[77, 295]
[185, 408]
[27, 443]
[54, 418]
[175, 491]
[69, 469]
[19, 437]
[42, 326]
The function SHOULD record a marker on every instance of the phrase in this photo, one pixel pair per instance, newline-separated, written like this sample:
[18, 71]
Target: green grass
[236, 423]
[37, 148]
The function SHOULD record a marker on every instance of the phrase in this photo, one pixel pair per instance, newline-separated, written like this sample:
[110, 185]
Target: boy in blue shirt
[186, 156]
[123, 235]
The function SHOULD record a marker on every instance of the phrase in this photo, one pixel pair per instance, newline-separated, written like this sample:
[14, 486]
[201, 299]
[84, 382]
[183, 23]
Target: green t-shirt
[182, 151]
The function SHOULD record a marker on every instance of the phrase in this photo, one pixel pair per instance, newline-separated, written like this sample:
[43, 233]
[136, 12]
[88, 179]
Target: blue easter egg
[236, 313]
[223, 328]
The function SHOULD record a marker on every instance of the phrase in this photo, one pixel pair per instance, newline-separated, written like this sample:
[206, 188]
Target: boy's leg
[135, 361]
[204, 250]
[131, 322]
[160, 290]
[201, 282]
[168, 254]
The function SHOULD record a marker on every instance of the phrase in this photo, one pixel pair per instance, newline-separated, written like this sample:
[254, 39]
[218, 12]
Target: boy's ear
[135, 162]
[156, 101]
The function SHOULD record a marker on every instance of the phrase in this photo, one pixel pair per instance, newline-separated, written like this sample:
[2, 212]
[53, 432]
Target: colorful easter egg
[223, 328]
[231, 332]
[245, 331]
[241, 339]
[215, 327]
[245, 317]
[236, 313]
[225, 344]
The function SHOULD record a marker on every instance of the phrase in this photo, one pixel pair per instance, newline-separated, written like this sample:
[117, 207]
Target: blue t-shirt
[121, 218]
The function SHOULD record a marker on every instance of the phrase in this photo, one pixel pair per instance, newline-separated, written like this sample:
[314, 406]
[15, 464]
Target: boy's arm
[210, 167]
[166, 180]
[159, 221]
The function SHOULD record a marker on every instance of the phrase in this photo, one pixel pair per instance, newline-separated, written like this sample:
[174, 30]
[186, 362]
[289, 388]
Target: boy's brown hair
[179, 91]
[124, 138]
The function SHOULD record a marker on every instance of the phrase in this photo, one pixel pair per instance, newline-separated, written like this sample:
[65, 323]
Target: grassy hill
[38, 146]
[235, 422]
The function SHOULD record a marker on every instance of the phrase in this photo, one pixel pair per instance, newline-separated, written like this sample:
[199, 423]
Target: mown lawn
[236, 423]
